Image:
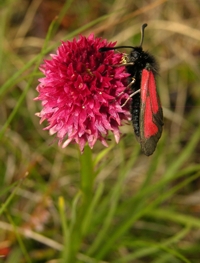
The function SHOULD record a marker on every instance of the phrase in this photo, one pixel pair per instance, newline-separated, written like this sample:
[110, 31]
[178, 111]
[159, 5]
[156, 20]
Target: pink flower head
[82, 92]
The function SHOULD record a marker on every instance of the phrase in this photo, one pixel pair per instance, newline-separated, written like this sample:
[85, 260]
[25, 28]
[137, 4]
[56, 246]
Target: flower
[82, 92]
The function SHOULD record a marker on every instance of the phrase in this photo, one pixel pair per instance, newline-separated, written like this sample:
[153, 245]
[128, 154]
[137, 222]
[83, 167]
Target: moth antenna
[103, 49]
[142, 33]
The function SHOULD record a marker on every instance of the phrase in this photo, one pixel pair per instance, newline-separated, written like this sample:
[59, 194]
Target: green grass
[110, 204]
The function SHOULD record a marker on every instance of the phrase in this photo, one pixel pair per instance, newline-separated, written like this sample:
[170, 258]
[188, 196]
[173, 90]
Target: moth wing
[151, 114]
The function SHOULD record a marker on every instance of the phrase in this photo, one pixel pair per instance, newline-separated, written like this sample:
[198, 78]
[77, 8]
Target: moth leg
[127, 87]
[132, 94]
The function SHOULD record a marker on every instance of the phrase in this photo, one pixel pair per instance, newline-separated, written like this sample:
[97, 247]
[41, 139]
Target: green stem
[81, 207]
[87, 175]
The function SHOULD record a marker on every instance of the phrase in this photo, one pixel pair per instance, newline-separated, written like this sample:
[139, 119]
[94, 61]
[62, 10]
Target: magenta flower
[81, 92]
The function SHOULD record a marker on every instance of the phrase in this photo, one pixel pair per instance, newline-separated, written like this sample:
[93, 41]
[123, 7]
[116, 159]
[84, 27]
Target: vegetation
[109, 204]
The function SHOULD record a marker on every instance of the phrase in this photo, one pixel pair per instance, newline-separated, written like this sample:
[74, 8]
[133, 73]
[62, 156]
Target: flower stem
[87, 175]
[80, 209]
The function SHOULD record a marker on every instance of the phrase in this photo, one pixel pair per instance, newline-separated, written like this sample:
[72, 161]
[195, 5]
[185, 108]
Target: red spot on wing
[150, 103]
[150, 128]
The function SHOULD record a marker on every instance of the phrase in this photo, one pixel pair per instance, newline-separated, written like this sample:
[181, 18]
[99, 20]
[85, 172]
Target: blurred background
[142, 209]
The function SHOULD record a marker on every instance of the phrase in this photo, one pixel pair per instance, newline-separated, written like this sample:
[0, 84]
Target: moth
[145, 108]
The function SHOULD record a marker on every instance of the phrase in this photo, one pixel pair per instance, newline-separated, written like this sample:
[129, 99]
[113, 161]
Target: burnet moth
[146, 110]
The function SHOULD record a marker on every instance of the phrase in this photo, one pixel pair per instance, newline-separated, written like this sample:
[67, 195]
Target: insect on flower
[146, 110]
